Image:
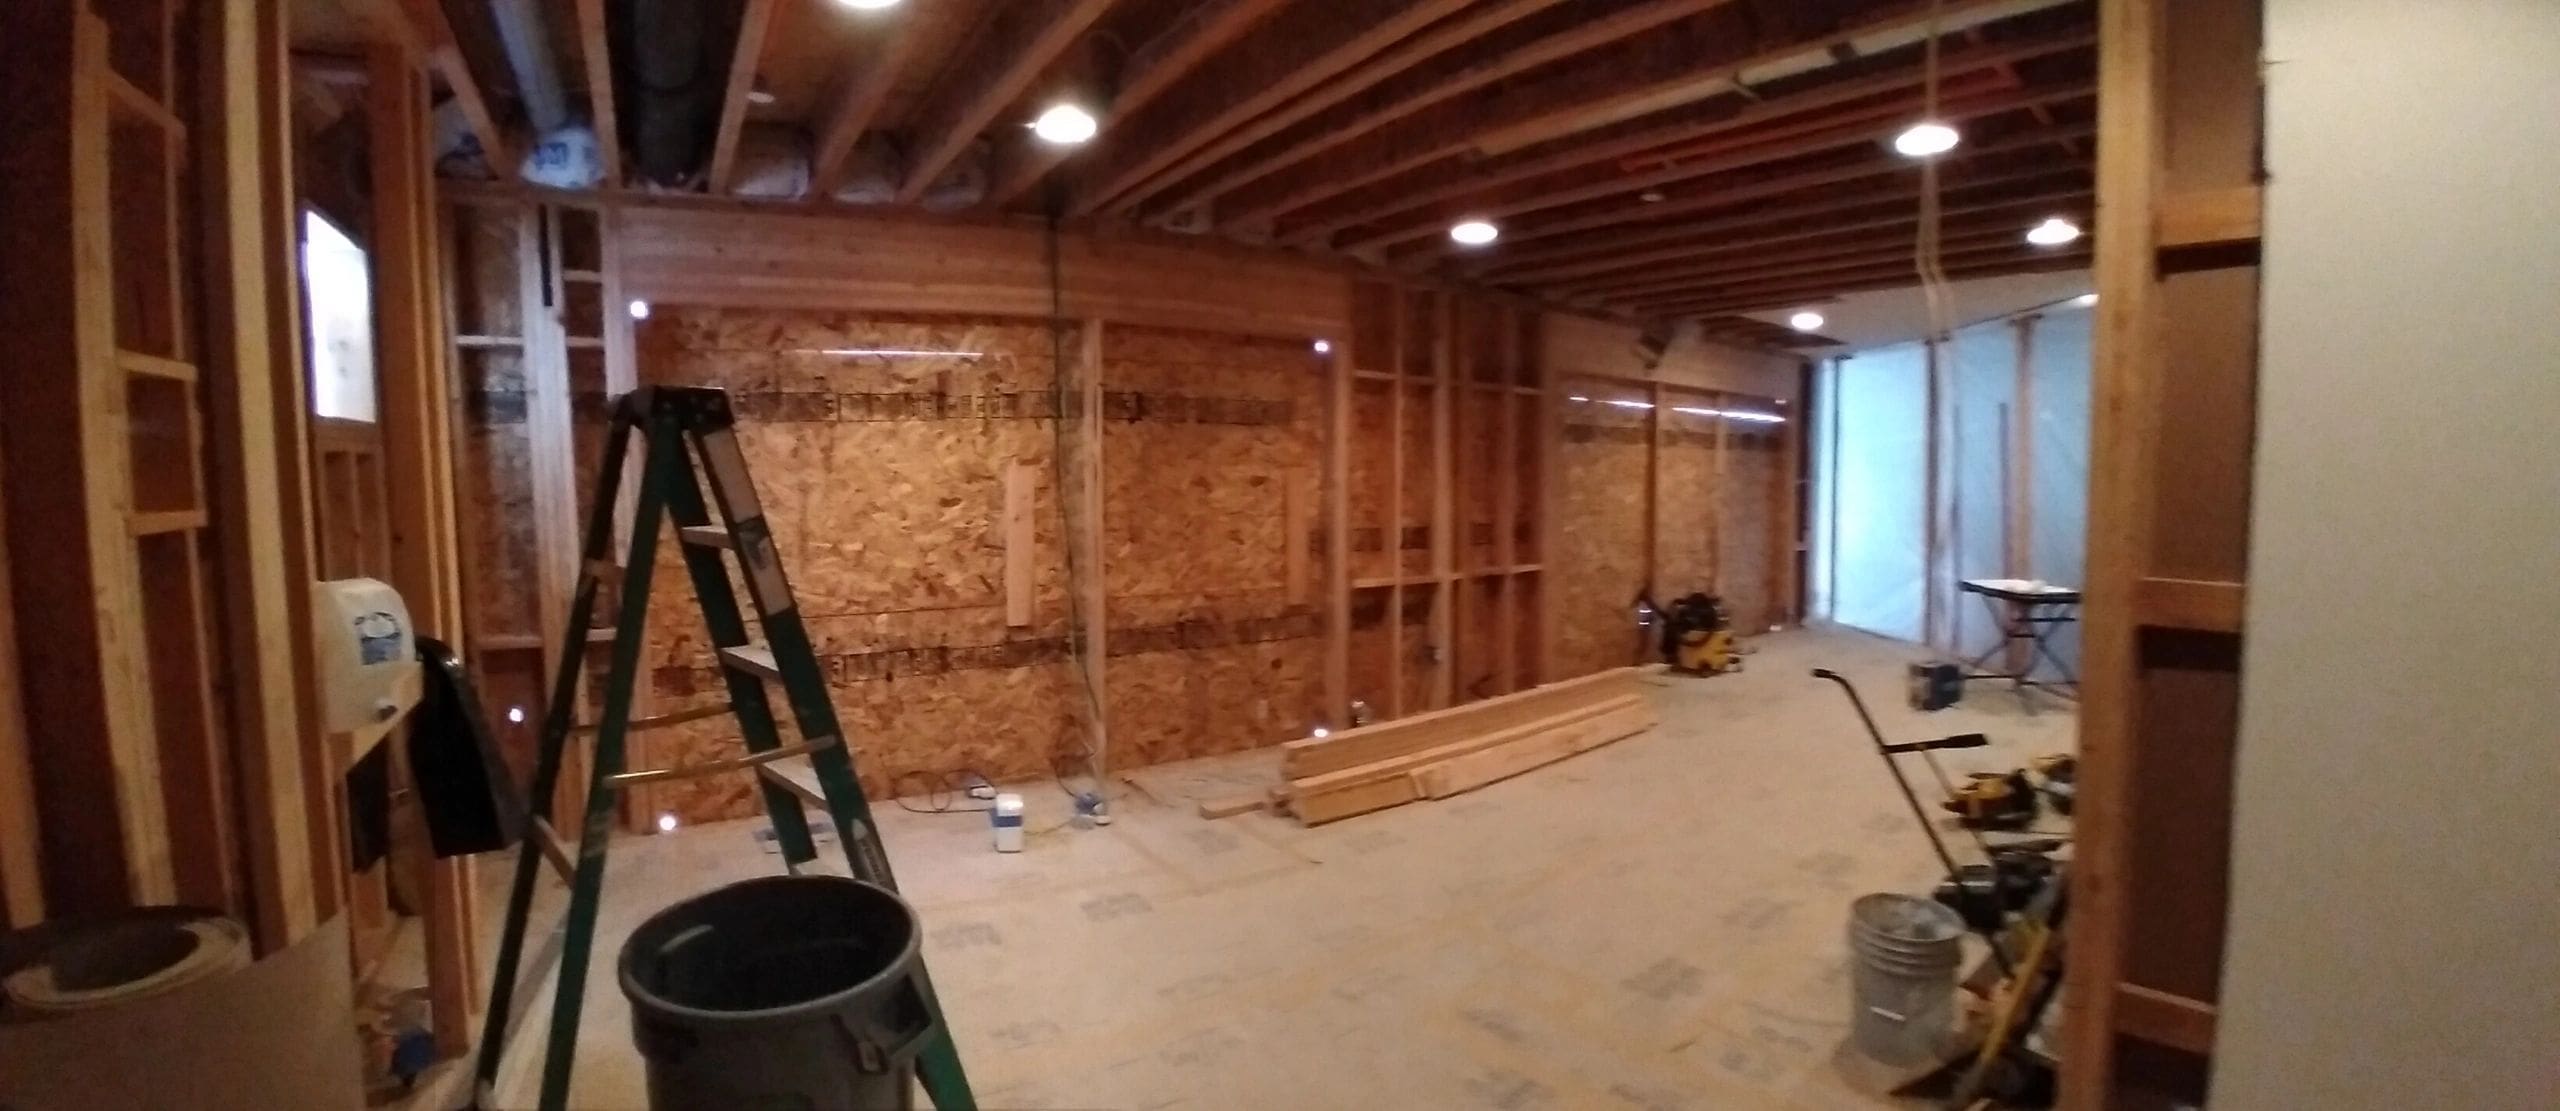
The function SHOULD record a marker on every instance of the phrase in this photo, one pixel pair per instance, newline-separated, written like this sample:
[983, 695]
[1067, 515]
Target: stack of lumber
[1453, 751]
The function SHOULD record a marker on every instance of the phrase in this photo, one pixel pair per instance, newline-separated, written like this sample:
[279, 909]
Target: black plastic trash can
[788, 993]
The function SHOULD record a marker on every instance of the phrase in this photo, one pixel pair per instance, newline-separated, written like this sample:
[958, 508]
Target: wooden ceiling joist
[1873, 22]
[1870, 127]
[595, 46]
[1405, 62]
[1783, 294]
[1203, 30]
[1845, 238]
[1419, 90]
[420, 28]
[1764, 224]
[1957, 241]
[1308, 44]
[1372, 204]
[1662, 71]
[1882, 165]
[1824, 277]
[753, 21]
[1019, 43]
[856, 102]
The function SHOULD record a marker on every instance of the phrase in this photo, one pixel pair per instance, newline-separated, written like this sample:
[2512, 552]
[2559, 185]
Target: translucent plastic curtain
[2058, 495]
[1879, 497]
[1982, 375]
[1824, 411]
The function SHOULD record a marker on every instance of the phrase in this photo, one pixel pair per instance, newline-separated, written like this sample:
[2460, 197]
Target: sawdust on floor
[1654, 925]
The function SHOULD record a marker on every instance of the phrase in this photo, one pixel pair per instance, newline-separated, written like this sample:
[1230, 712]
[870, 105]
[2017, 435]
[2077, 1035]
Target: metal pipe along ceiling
[676, 73]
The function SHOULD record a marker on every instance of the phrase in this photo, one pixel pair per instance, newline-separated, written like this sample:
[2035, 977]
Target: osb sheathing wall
[1599, 533]
[1716, 525]
[1210, 472]
[884, 478]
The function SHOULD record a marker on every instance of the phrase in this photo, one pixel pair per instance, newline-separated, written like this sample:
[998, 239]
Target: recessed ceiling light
[639, 310]
[1921, 140]
[1650, 196]
[1474, 233]
[1065, 125]
[1805, 321]
[2085, 300]
[1324, 347]
[666, 823]
[759, 94]
[2053, 232]
[868, 5]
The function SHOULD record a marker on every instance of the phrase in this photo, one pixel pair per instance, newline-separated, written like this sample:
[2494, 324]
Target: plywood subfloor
[1653, 925]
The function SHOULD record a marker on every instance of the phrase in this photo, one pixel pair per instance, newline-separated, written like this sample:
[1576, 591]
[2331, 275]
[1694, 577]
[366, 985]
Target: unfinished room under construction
[1521, 554]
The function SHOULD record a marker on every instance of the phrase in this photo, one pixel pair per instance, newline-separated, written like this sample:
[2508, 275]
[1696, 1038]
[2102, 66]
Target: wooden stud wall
[1415, 481]
[1441, 510]
[160, 468]
[2174, 389]
[109, 509]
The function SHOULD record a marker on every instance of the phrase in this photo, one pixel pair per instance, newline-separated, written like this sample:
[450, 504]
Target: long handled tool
[1887, 750]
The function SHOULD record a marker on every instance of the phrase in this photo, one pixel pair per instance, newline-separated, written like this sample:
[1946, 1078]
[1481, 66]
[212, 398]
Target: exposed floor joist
[1165, 59]
[1018, 44]
[1624, 146]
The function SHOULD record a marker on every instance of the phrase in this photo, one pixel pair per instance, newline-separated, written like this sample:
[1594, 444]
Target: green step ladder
[677, 426]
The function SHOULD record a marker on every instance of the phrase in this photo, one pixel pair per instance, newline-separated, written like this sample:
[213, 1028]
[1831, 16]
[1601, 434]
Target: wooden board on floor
[1461, 774]
[1350, 802]
[1404, 736]
[1463, 746]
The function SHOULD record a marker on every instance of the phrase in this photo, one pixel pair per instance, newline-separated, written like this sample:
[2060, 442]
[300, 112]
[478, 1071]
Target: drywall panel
[1880, 515]
[2393, 837]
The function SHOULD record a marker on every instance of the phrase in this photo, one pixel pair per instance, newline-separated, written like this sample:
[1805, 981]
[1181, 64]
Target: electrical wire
[1078, 621]
[1927, 254]
[943, 790]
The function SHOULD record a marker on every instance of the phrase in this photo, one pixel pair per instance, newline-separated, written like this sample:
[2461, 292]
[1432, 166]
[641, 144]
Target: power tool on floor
[1993, 800]
[1697, 637]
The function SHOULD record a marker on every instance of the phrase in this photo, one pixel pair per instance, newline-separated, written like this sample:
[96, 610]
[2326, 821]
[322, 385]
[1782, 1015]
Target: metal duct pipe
[527, 43]
[677, 68]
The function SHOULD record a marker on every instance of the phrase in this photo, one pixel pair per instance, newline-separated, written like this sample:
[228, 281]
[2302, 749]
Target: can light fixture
[1065, 125]
[867, 5]
[2053, 232]
[1805, 321]
[639, 310]
[1926, 139]
[1474, 233]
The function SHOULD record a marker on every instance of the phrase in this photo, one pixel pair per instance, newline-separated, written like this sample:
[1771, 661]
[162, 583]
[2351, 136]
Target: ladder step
[755, 658]
[553, 849]
[715, 767]
[705, 536]
[800, 779]
[661, 721]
